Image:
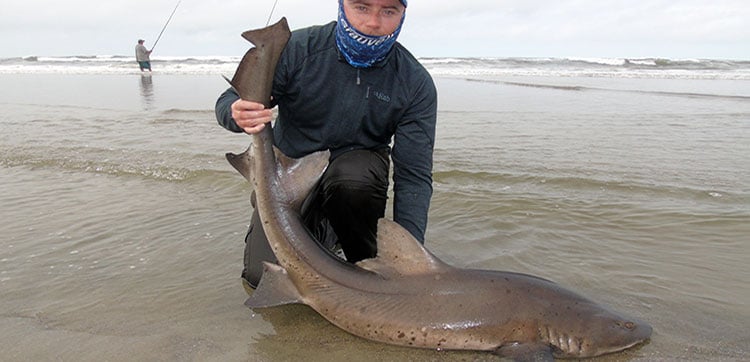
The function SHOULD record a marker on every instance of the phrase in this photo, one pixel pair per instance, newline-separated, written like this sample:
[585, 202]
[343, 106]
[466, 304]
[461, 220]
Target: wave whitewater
[579, 67]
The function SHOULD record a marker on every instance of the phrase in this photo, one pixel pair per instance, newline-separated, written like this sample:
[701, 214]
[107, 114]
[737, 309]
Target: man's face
[374, 17]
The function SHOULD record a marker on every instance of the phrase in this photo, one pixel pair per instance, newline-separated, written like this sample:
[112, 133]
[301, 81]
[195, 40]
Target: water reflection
[300, 325]
[147, 92]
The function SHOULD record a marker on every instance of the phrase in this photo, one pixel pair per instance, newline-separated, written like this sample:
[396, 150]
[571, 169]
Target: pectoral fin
[526, 352]
[275, 289]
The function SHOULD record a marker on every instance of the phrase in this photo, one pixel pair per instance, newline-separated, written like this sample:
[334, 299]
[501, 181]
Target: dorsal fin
[243, 163]
[299, 175]
[399, 253]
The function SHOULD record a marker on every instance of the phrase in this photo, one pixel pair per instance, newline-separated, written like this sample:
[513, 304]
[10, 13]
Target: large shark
[406, 295]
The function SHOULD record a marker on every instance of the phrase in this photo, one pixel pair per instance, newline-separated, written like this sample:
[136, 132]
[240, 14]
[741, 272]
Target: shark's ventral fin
[526, 352]
[399, 252]
[275, 289]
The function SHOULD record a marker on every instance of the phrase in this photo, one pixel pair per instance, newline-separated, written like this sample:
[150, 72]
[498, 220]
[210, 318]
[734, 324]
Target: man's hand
[251, 116]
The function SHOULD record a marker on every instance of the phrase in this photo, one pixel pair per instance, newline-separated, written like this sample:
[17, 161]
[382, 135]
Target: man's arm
[239, 115]
[413, 145]
[223, 110]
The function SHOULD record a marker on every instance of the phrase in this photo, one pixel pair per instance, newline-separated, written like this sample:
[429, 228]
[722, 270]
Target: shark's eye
[626, 325]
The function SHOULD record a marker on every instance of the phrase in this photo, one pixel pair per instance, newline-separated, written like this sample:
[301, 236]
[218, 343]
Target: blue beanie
[403, 2]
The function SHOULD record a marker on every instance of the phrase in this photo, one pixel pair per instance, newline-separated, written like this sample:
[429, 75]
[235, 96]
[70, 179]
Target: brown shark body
[405, 296]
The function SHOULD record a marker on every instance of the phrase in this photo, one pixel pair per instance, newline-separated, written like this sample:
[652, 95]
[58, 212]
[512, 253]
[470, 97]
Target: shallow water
[123, 225]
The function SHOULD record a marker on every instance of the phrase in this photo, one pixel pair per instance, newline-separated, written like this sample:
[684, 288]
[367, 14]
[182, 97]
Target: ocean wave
[117, 64]
[447, 66]
[557, 185]
[586, 88]
[592, 67]
[192, 112]
[119, 163]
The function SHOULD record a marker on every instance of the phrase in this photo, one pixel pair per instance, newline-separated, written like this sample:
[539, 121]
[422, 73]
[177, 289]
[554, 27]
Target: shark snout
[639, 331]
[599, 334]
[622, 333]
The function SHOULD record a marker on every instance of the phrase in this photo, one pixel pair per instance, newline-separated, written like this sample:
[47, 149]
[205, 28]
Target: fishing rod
[271, 14]
[165, 25]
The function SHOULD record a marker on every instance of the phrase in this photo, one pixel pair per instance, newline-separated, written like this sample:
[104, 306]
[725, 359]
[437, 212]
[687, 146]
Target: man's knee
[257, 250]
[355, 183]
[359, 169]
[353, 197]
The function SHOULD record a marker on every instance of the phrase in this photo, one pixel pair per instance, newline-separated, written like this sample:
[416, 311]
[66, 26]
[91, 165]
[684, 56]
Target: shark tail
[254, 76]
[266, 35]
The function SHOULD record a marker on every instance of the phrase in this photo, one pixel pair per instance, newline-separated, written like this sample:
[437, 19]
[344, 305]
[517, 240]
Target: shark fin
[399, 253]
[253, 78]
[525, 352]
[275, 289]
[268, 34]
[242, 162]
[299, 175]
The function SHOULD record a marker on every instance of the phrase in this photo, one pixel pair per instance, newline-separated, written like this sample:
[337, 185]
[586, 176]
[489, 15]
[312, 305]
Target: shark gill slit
[562, 341]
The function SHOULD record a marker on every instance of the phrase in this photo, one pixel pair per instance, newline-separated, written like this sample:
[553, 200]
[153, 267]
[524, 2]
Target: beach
[123, 225]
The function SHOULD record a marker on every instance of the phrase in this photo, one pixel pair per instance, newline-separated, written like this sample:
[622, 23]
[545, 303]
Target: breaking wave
[578, 67]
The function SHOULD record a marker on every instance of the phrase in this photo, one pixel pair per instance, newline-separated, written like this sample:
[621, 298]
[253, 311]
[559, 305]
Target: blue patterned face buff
[361, 50]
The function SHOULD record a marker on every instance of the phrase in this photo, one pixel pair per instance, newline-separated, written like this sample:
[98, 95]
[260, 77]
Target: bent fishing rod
[165, 25]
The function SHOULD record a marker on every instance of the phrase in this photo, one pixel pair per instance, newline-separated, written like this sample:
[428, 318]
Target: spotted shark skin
[406, 295]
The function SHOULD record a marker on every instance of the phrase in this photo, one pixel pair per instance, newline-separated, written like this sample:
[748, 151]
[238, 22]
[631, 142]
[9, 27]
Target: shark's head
[595, 334]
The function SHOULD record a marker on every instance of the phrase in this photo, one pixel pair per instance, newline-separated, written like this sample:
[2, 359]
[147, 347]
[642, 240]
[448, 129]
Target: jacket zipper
[359, 82]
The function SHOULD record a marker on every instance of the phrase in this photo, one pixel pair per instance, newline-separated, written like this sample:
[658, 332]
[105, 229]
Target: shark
[406, 295]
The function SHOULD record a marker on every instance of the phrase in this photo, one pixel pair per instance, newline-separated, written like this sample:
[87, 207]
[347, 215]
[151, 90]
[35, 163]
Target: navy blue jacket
[324, 103]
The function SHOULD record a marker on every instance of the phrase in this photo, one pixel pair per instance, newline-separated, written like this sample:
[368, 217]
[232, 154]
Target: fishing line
[165, 25]
[271, 14]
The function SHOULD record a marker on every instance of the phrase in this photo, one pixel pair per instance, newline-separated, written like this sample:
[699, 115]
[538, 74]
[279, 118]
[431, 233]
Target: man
[142, 56]
[348, 87]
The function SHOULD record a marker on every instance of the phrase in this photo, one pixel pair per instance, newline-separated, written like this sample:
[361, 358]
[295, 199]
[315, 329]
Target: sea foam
[656, 68]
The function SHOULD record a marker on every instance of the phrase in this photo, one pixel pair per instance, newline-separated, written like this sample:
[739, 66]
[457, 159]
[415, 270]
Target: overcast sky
[718, 29]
